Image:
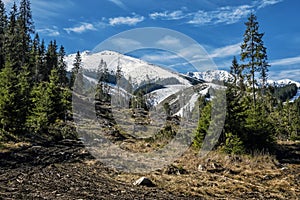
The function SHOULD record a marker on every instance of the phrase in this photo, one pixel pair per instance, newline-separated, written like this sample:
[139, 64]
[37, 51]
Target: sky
[218, 26]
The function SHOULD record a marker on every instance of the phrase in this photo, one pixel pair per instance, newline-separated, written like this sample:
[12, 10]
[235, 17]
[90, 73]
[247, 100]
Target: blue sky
[216, 25]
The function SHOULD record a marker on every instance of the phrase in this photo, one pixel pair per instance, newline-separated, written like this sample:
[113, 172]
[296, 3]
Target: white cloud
[45, 9]
[222, 15]
[286, 61]
[126, 43]
[230, 50]
[162, 57]
[131, 21]
[119, 3]
[226, 15]
[293, 74]
[264, 3]
[82, 28]
[169, 41]
[49, 32]
[167, 15]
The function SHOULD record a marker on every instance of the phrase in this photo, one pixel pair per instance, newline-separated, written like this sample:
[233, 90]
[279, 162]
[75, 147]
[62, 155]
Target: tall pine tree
[25, 29]
[77, 74]
[8, 99]
[62, 67]
[253, 53]
[3, 26]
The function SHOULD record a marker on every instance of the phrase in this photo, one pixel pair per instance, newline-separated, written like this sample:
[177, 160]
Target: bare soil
[66, 170]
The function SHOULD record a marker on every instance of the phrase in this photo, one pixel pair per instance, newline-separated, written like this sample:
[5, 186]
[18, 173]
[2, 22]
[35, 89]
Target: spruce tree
[50, 104]
[23, 103]
[77, 74]
[12, 40]
[35, 58]
[41, 71]
[62, 67]
[8, 99]
[3, 26]
[253, 53]
[203, 123]
[25, 29]
[51, 60]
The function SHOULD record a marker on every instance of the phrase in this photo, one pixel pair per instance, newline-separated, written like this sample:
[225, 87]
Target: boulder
[144, 181]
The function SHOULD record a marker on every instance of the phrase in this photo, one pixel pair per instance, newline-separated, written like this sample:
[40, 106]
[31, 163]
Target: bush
[233, 144]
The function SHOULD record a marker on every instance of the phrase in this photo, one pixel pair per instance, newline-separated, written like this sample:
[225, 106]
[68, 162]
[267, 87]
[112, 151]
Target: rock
[284, 169]
[201, 168]
[172, 169]
[144, 181]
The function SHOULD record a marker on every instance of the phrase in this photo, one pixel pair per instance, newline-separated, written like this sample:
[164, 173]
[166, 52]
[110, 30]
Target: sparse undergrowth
[258, 176]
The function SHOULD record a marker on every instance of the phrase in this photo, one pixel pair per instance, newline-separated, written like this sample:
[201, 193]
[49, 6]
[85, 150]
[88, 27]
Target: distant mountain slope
[222, 75]
[138, 70]
[283, 82]
[211, 75]
[158, 82]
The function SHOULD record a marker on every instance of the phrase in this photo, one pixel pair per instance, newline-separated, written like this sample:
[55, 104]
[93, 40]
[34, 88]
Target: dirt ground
[66, 170]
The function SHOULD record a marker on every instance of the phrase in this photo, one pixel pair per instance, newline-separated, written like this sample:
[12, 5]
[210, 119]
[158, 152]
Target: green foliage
[76, 80]
[254, 55]
[233, 144]
[62, 68]
[203, 124]
[3, 25]
[50, 104]
[259, 132]
[8, 99]
[33, 92]
[284, 93]
[286, 121]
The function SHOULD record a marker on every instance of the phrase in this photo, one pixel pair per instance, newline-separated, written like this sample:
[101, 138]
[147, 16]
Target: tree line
[255, 115]
[35, 97]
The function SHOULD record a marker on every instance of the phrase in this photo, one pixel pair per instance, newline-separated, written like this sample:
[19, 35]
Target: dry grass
[228, 177]
[9, 146]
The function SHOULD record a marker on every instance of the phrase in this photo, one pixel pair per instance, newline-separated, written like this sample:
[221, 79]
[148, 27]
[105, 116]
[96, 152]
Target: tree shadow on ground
[288, 152]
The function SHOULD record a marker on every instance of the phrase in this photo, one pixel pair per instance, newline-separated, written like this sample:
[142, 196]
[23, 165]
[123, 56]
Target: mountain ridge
[89, 59]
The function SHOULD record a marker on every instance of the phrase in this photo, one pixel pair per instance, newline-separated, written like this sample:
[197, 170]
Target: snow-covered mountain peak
[211, 75]
[137, 70]
[283, 82]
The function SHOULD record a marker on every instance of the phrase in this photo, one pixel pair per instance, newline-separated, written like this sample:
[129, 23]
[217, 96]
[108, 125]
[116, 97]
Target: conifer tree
[51, 60]
[12, 40]
[35, 58]
[203, 123]
[77, 74]
[102, 90]
[253, 53]
[23, 90]
[25, 29]
[3, 26]
[8, 99]
[62, 67]
[49, 104]
[41, 65]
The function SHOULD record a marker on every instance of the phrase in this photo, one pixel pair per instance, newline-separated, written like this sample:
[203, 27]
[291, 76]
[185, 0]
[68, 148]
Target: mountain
[222, 75]
[157, 82]
[211, 75]
[283, 82]
[138, 70]
[141, 75]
